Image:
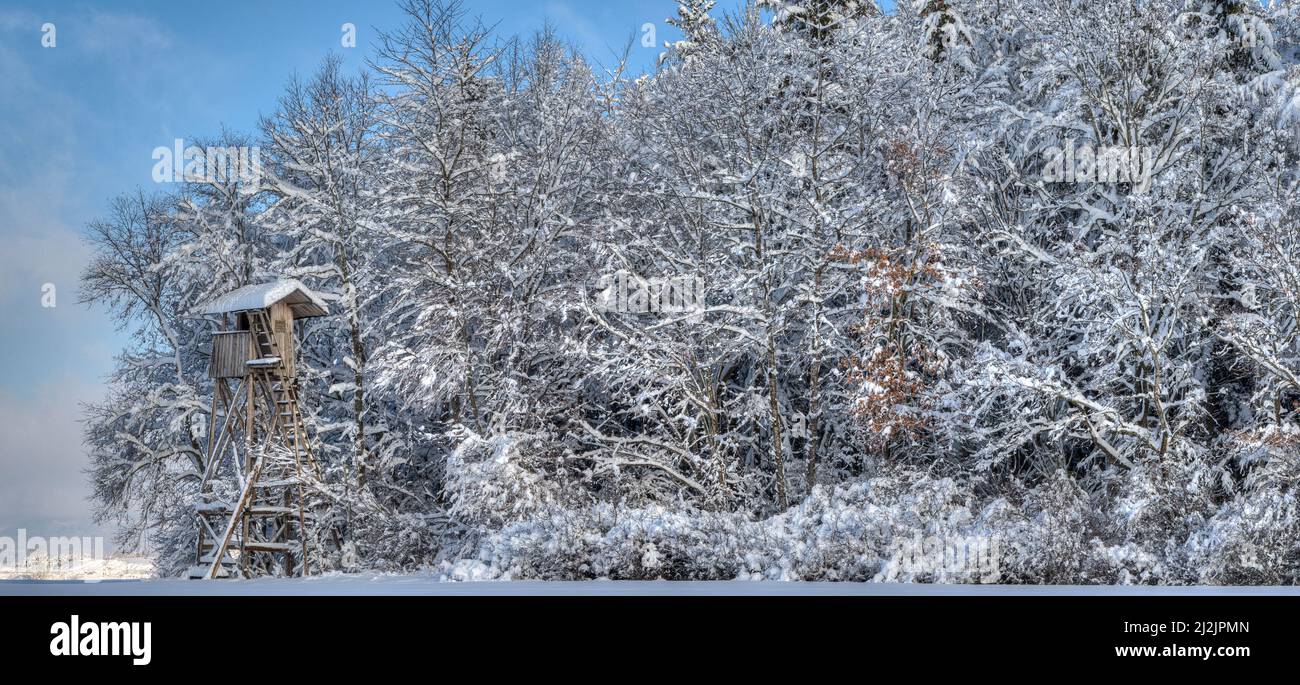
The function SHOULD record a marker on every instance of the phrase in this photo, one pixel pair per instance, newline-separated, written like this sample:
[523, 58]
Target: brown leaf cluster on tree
[895, 369]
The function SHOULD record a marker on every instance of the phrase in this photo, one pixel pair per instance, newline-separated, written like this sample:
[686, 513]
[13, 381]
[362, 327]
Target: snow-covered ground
[90, 570]
[413, 585]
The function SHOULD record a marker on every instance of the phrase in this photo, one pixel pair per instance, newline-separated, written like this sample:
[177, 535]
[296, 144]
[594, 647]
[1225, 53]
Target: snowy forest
[1014, 270]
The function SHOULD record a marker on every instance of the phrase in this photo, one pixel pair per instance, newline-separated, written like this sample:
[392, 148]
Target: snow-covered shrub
[870, 530]
[1066, 537]
[1051, 533]
[1254, 538]
[392, 542]
[489, 481]
[1160, 504]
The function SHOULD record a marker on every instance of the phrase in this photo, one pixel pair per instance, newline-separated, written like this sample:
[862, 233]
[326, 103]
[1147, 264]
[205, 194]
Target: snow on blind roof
[303, 301]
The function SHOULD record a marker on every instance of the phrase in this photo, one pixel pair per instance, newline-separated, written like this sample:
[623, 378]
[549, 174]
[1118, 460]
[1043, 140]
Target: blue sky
[78, 124]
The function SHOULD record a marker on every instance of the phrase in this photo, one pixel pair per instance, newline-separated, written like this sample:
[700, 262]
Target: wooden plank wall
[231, 351]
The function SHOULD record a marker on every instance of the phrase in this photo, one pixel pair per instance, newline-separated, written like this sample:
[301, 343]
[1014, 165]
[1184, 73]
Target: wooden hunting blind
[279, 303]
[250, 513]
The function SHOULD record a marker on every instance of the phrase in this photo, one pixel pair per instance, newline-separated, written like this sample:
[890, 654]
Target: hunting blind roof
[301, 300]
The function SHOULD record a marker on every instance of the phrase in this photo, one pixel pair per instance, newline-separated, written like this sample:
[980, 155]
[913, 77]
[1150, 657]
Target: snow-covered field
[418, 585]
[90, 570]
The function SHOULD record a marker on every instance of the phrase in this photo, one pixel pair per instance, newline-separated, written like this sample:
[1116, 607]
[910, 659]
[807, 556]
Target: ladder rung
[277, 483]
[252, 547]
[206, 562]
[272, 547]
[252, 511]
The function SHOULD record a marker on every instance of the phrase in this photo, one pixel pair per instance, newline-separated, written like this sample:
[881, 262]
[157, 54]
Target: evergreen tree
[818, 20]
[698, 28]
